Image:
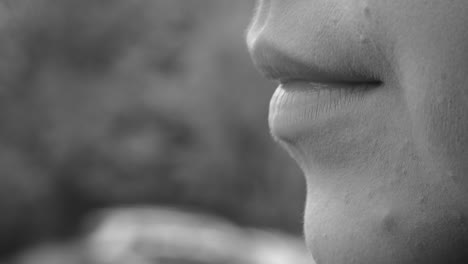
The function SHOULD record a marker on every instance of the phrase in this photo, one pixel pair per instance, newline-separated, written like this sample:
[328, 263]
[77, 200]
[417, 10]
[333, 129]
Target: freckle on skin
[335, 21]
[389, 222]
[422, 199]
[363, 39]
[444, 76]
[420, 246]
[462, 219]
[367, 11]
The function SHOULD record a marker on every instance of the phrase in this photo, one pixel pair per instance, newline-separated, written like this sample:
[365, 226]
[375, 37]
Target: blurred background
[135, 131]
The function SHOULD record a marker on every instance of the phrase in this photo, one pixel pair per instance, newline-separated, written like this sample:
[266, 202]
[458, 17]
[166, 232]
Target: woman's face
[373, 105]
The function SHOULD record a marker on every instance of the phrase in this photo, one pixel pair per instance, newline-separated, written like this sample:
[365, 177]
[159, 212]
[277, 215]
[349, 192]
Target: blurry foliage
[110, 102]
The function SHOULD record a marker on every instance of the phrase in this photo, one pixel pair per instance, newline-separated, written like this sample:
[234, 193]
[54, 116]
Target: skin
[387, 182]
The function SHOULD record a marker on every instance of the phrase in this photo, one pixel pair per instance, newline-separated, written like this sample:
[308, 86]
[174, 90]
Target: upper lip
[276, 64]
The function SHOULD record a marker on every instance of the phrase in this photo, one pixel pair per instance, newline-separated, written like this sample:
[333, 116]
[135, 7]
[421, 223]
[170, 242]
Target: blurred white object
[52, 253]
[161, 235]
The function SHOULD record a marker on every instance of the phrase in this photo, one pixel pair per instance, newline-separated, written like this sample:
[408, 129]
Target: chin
[386, 228]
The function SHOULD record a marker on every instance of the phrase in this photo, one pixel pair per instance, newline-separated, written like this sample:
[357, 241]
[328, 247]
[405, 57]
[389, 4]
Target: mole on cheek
[387, 222]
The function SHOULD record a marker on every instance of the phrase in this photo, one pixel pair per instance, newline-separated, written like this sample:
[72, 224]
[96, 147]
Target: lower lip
[297, 107]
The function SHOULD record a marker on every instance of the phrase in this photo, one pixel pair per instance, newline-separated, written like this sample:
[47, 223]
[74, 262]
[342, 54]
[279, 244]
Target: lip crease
[308, 93]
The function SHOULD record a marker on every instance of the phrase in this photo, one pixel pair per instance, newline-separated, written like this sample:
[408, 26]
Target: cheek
[433, 79]
[438, 106]
[445, 121]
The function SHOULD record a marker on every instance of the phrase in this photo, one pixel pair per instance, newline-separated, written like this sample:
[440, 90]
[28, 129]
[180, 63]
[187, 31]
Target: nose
[321, 38]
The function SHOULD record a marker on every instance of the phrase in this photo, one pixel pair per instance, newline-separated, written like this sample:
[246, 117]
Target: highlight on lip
[298, 106]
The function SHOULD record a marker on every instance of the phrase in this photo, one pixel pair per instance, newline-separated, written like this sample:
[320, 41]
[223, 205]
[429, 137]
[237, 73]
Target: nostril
[261, 14]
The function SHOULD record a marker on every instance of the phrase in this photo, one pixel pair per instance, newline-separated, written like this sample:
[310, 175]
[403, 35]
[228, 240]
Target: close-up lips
[332, 79]
[306, 94]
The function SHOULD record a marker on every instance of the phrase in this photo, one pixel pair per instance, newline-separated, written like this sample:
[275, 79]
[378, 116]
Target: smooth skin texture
[387, 180]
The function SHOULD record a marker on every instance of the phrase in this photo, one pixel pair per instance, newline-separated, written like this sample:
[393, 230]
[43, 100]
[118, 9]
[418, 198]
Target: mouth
[312, 90]
[325, 71]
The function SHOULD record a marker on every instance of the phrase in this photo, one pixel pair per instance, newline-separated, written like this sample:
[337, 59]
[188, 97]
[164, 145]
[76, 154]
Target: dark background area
[108, 103]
